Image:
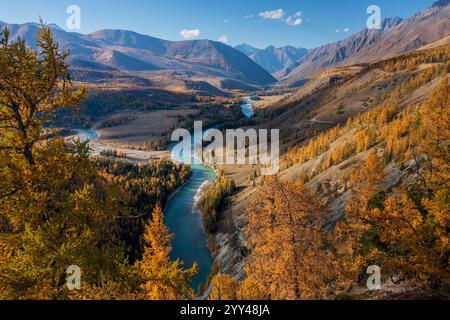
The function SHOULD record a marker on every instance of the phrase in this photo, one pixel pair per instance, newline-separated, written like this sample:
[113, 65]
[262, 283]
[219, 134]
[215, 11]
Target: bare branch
[9, 194]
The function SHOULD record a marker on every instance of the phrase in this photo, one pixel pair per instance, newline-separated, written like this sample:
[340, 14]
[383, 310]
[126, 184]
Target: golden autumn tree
[285, 231]
[55, 211]
[163, 279]
[34, 86]
[224, 287]
[365, 183]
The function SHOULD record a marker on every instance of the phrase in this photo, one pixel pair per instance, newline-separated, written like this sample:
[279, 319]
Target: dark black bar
[174, 310]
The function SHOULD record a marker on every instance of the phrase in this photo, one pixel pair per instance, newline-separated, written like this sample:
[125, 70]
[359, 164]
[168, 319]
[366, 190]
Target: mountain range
[121, 50]
[273, 59]
[395, 37]
[107, 52]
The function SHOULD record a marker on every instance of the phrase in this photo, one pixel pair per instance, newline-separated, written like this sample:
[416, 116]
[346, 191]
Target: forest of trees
[214, 200]
[142, 187]
[58, 207]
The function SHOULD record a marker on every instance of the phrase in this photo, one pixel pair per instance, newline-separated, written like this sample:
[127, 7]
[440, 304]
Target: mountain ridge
[397, 36]
[122, 50]
[131, 51]
[273, 59]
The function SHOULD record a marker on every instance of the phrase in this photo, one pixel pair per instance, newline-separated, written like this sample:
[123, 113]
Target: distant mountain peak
[246, 45]
[247, 49]
[116, 32]
[54, 26]
[122, 50]
[390, 22]
[440, 3]
[273, 59]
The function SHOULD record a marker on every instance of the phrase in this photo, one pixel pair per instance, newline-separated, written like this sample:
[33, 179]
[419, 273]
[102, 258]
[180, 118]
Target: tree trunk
[28, 155]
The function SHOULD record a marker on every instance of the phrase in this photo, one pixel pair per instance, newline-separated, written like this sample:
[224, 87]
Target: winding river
[182, 216]
[247, 107]
[184, 219]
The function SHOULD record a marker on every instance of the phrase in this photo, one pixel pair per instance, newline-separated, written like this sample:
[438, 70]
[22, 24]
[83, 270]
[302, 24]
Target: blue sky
[305, 23]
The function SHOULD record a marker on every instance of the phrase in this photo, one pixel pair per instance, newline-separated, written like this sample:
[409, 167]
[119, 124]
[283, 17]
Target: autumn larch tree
[285, 232]
[224, 287]
[163, 279]
[55, 210]
[34, 85]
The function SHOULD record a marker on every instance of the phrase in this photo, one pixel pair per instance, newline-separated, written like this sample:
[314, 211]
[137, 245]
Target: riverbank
[133, 155]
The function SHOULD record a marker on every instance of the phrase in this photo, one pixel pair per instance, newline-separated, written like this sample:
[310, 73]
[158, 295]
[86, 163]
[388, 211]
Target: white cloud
[223, 39]
[249, 16]
[338, 30]
[295, 19]
[293, 22]
[273, 15]
[346, 30]
[189, 34]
